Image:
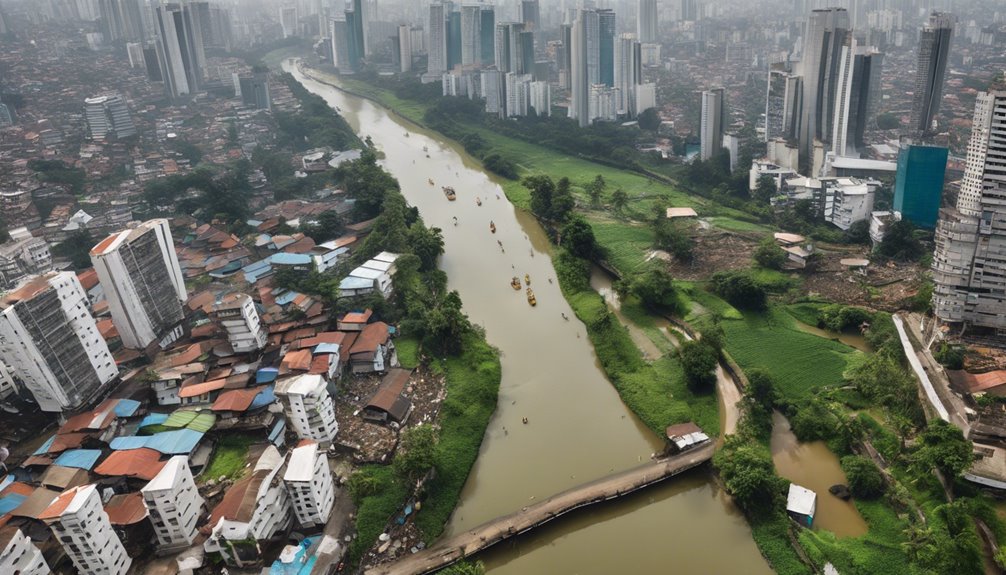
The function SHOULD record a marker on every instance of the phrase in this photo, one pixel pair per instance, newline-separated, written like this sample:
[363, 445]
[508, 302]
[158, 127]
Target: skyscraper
[606, 46]
[438, 39]
[487, 31]
[121, 20]
[584, 64]
[918, 187]
[341, 42]
[826, 34]
[934, 50]
[49, 338]
[969, 265]
[530, 15]
[143, 283]
[289, 19]
[856, 95]
[404, 48]
[471, 34]
[453, 39]
[628, 73]
[180, 49]
[81, 526]
[711, 133]
[646, 21]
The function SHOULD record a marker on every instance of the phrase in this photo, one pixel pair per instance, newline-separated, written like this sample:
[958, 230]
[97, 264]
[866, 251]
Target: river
[578, 429]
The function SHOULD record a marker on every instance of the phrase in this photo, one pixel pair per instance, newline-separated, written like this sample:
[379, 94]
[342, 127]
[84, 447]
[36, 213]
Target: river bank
[539, 378]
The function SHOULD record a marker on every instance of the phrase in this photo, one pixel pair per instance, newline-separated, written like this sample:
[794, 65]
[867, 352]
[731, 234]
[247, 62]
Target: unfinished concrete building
[969, 266]
[51, 342]
[143, 283]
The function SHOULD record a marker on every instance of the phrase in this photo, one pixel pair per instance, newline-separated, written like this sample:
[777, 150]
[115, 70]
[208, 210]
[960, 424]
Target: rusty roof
[388, 397]
[142, 463]
[126, 509]
[197, 389]
[370, 338]
[61, 478]
[299, 360]
[236, 399]
[97, 419]
[37, 503]
[357, 317]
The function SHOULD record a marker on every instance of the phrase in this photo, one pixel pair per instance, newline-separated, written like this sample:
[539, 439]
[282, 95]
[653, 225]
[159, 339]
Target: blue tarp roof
[45, 446]
[325, 348]
[301, 564]
[153, 419]
[287, 297]
[285, 259]
[79, 458]
[10, 503]
[266, 375]
[126, 407]
[264, 398]
[254, 223]
[277, 429]
[254, 271]
[356, 283]
[179, 442]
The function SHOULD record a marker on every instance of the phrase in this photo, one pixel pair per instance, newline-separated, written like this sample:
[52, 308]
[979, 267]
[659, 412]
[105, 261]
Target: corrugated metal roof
[325, 348]
[356, 283]
[266, 375]
[126, 407]
[288, 259]
[79, 458]
[11, 502]
[179, 442]
[143, 463]
[201, 420]
[126, 509]
[153, 419]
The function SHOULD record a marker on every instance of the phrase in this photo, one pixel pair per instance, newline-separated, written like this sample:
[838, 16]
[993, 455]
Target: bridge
[468, 543]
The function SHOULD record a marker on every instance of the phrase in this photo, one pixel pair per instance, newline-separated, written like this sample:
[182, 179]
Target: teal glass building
[918, 189]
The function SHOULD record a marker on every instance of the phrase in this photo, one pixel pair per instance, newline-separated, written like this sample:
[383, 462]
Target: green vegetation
[229, 456]
[76, 248]
[315, 124]
[56, 172]
[657, 392]
[378, 495]
[865, 480]
[408, 351]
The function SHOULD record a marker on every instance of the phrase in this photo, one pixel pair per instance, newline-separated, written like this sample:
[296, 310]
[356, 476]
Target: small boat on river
[430, 181]
[527, 279]
[492, 227]
[515, 283]
[478, 201]
[449, 192]
[530, 298]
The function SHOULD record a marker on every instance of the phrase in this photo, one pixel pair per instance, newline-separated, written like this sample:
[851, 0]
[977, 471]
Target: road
[932, 372]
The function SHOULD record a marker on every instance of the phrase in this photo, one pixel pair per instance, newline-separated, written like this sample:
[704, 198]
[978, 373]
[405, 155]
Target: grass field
[799, 362]
[626, 245]
[408, 351]
[229, 456]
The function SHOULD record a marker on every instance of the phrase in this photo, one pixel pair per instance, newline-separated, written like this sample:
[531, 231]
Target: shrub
[740, 290]
[770, 255]
[951, 356]
[699, 361]
[865, 480]
[500, 166]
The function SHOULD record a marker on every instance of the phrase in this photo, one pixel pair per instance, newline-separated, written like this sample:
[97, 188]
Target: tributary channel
[578, 429]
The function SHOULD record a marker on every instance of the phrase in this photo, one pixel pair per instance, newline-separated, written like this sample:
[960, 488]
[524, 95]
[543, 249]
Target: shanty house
[387, 404]
[801, 503]
[373, 351]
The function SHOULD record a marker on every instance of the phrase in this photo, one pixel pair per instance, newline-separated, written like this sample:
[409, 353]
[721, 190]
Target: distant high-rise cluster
[108, 117]
[348, 35]
[934, 50]
[180, 52]
[121, 20]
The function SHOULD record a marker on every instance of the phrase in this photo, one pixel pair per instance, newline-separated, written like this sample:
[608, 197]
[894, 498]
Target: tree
[542, 188]
[699, 361]
[595, 189]
[899, 242]
[501, 166]
[760, 397]
[417, 453]
[740, 290]
[446, 326]
[649, 119]
[888, 122]
[619, 199]
[327, 227]
[865, 480]
[672, 239]
[562, 201]
[951, 356]
[944, 447]
[76, 248]
[765, 189]
[655, 288]
[769, 255]
[578, 238]
[858, 233]
[427, 244]
[749, 475]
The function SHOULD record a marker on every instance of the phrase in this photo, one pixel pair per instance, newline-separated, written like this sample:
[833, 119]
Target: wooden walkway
[452, 549]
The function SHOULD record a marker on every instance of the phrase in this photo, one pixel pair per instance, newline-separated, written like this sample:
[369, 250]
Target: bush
[840, 318]
[770, 255]
[865, 480]
[950, 356]
[740, 290]
[501, 166]
[749, 475]
[699, 361]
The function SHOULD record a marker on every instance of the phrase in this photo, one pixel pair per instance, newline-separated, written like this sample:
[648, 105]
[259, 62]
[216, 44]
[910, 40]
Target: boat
[527, 279]
[431, 181]
[492, 227]
[515, 283]
[449, 192]
[530, 298]
[478, 201]
[425, 149]
[406, 134]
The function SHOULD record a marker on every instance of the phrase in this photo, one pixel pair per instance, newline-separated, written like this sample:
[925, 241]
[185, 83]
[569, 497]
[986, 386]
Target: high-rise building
[174, 504]
[309, 482]
[856, 96]
[81, 526]
[254, 89]
[969, 265]
[518, 94]
[564, 55]
[309, 407]
[825, 35]
[530, 15]
[628, 73]
[492, 91]
[438, 39]
[239, 317]
[143, 283]
[603, 103]
[289, 19]
[180, 50]
[453, 39]
[6, 117]
[711, 133]
[121, 20]
[19, 555]
[471, 34]
[647, 22]
[934, 50]
[356, 17]
[918, 187]
[405, 48]
[49, 338]
[606, 31]
[584, 64]
[108, 117]
[487, 33]
[341, 50]
[134, 51]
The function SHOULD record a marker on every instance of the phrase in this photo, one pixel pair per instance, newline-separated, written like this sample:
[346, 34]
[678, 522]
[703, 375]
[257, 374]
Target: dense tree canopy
[769, 255]
[944, 447]
[740, 289]
[865, 480]
[416, 453]
[900, 243]
[699, 361]
[749, 475]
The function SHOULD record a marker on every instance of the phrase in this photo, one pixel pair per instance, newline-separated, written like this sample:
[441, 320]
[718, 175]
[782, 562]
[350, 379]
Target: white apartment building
[254, 509]
[50, 340]
[174, 504]
[81, 525]
[309, 482]
[603, 103]
[108, 116]
[405, 48]
[518, 94]
[847, 201]
[237, 313]
[711, 133]
[309, 406]
[970, 259]
[541, 98]
[19, 555]
[143, 283]
[19, 258]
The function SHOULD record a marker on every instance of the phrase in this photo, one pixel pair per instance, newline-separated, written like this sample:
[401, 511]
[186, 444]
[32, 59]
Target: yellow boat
[515, 283]
[449, 192]
[530, 298]
[527, 279]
